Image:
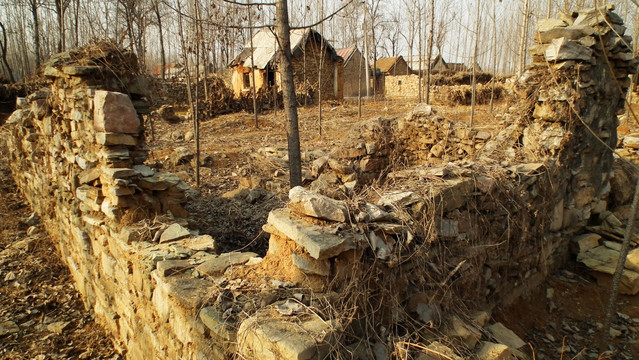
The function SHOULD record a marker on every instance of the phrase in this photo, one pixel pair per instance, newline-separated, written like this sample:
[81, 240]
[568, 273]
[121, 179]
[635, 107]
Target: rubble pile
[364, 156]
[425, 137]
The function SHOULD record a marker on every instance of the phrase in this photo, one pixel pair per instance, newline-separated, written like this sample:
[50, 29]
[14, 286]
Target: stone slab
[219, 264]
[321, 242]
[212, 318]
[113, 112]
[505, 336]
[171, 267]
[312, 204]
[174, 232]
[273, 337]
[604, 259]
[311, 266]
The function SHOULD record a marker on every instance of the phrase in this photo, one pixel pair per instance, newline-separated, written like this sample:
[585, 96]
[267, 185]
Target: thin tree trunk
[156, 10]
[253, 87]
[419, 48]
[36, 30]
[621, 261]
[368, 68]
[76, 23]
[492, 90]
[3, 48]
[196, 118]
[359, 90]
[430, 48]
[186, 67]
[60, 9]
[524, 41]
[288, 90]
[474, 88]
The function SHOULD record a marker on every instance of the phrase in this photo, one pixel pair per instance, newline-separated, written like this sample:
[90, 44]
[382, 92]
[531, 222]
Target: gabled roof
[346, 53]
[413, 61]
[265, 47]
[385, 64]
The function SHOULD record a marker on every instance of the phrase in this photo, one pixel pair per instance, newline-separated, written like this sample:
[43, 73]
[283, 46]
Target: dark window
[247, 80]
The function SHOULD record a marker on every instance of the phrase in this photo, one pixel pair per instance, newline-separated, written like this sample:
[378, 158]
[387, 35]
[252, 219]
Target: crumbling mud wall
[389, 249]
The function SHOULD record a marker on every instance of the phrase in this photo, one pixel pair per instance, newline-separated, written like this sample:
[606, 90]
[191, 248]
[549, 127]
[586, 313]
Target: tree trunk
[419, 50]
[430, 48]
[60, 9]
[36, 30]
[524, 41]
[474, 85]
[368, 68]
[492, 90]
[288, 91]
[76, 23]
[3, 48]
[156, 10]
[252, 68]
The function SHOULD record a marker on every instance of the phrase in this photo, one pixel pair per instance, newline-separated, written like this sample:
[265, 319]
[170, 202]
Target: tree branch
[248, 4]
[324, 19]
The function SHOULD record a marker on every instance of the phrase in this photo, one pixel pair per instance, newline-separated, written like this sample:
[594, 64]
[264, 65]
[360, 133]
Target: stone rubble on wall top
[316, 205]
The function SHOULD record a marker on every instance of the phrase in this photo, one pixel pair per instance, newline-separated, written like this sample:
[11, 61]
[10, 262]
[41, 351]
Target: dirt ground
[41, 314]
[51, 319]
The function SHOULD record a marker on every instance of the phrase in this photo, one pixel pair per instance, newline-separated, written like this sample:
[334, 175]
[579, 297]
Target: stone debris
[316, 205]
[492, 351]
[174, 232]
[217, 265]
[180, 156]
[438, 351]
[507, 337]
[604, 259]
[265, 336]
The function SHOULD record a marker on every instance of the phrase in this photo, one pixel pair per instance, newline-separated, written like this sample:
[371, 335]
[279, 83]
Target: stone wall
[77, 155]
[389, 237]
[402, 86]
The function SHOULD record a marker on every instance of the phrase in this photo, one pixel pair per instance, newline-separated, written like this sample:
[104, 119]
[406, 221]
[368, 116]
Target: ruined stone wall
[77, 154]
[381, 242]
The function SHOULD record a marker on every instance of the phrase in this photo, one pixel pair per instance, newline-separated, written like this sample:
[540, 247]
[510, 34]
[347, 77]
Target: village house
[437, 65]
[314, 60]
[392, 66]
[354, 71]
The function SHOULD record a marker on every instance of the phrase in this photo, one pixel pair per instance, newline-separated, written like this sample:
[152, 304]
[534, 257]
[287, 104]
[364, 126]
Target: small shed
[313, 59]
[354, 71]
